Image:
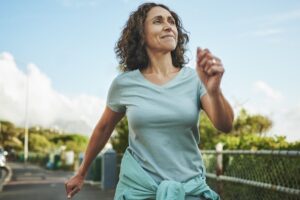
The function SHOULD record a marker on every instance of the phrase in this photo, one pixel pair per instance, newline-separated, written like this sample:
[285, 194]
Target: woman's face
[160, 30]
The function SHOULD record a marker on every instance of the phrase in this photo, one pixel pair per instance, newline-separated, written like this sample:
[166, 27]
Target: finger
[212, 60]
[208, 56]
[73, 192]
[209, 64]
[213, 70]
[198, 50]
[206, 51]
[68, 187]
[218, 60]
[202, 52]
[201, 56]
[203, 62]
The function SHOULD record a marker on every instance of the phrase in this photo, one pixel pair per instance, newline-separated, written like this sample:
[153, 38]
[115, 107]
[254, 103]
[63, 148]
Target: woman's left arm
[210, 70]
[218, 110]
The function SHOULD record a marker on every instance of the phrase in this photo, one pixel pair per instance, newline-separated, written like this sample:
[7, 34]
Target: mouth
[168, 36]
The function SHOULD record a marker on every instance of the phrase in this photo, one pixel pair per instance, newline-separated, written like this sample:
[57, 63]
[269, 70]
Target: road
[35, 183]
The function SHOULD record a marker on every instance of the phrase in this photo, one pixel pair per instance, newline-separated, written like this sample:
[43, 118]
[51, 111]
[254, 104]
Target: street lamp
[26, 120]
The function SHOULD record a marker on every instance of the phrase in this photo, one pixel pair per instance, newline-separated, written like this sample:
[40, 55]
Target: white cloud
[47, 107]
[261, 86]
[288, 122]
[51, 109]
[266, 100]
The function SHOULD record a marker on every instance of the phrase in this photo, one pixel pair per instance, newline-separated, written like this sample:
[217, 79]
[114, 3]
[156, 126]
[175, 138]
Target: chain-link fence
[259, 175]
[251, 175]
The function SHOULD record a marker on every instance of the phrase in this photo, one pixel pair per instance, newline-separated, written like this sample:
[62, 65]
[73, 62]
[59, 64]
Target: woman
[162, 99]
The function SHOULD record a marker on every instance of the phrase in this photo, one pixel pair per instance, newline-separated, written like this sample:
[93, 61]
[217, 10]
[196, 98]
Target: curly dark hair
[130, 48]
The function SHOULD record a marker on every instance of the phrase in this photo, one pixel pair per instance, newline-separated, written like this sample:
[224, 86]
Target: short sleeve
[201, 88]
[114, 97]
[201, 92]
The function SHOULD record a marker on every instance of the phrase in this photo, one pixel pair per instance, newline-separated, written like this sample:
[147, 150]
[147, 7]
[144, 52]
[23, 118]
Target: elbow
[225, 128]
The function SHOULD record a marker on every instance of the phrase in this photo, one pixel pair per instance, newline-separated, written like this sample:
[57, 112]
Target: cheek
[149, 40]
[151, 36]
[147, 34]
[176, 33]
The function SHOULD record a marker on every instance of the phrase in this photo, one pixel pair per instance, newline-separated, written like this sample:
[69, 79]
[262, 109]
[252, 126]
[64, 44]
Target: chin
[170, 48]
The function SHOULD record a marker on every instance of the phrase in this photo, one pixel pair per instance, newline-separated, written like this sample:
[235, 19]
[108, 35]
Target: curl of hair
[130, 48]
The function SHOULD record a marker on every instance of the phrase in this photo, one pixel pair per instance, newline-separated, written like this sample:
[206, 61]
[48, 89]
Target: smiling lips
[167, 36]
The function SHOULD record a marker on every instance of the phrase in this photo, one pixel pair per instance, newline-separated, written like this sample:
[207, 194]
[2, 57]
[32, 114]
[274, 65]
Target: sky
[63, 52]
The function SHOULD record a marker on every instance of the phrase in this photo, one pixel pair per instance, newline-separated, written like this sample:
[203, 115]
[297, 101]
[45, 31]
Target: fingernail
[69, 196]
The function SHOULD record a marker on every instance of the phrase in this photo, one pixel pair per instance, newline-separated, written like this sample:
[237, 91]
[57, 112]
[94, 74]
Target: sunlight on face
[160, 30]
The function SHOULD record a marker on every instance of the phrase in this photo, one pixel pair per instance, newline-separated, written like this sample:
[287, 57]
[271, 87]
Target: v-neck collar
[168, 83]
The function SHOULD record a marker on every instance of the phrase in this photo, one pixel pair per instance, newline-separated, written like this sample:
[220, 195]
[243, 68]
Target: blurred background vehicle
[3, 155]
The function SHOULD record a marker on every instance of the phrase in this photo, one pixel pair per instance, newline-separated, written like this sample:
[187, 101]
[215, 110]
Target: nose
[167, 28]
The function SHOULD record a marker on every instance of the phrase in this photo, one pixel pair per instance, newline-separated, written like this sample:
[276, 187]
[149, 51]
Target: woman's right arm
[99, 138]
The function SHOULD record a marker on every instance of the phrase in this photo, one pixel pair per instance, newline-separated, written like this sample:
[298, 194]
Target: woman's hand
[74, 185]
[210, 70]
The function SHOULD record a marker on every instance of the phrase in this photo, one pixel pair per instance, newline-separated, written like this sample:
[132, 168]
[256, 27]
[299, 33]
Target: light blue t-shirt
[162, 122]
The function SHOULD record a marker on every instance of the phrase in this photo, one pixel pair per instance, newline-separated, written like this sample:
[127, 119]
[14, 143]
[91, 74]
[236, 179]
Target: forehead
[158, 11]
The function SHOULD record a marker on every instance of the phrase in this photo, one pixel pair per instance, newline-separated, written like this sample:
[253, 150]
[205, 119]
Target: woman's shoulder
[124, 77]
[189, 71]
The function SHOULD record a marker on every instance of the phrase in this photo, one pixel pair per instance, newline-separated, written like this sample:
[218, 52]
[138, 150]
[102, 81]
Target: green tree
[39, 143]
[9, 136]
[248, 133]
[246, 123]
[120, 140]
[75, 142]
[208, 133]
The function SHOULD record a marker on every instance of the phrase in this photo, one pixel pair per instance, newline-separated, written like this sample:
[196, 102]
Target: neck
[160, 63]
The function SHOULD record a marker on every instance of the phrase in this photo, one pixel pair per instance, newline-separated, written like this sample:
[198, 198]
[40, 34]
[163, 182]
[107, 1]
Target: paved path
[35, 183]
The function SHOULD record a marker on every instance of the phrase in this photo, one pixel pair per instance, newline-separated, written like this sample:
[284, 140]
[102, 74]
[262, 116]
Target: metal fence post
[109, 169]
[219, 167]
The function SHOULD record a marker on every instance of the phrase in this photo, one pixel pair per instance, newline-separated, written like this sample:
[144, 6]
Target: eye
[172, 21]
[157, 21]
